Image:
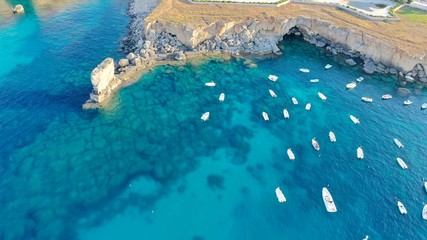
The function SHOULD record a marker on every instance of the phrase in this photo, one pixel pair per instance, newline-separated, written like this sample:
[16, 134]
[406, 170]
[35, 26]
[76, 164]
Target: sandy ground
[368, 7]
[144, 6]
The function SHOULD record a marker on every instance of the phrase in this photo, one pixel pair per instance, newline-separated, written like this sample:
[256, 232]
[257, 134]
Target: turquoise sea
[147, 167]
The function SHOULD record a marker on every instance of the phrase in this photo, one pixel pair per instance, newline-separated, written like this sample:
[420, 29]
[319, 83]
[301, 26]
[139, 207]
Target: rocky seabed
[157, 41]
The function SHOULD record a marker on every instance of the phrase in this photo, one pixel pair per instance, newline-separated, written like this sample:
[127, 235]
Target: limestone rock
[103, 80]
[123, 62]
[180, 56]
[320, 44]
[18, 9]
[130, 57]
[350, 62]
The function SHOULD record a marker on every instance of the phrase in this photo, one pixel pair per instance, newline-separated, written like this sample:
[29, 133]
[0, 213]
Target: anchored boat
[316, 80]
[308, 106]
[315, 144]
[265, 116]
[351, 85]
[407, 102]
[328, 200]
[367, 99]
[210, 84]
[425, 212]
[398, 143]
[402, 208]
[295, 101]
[221, 97]
[386, 97]
[332, 137]
[205, 116]
[273, 77]
[328, 66]
[304, 70]
[272, 93]
[359, 79]
[402, 163]
[322, 96]
[424, 106]
[291, 154]
[285, 113]
[360, 154]
[354, 119]
[280, 196]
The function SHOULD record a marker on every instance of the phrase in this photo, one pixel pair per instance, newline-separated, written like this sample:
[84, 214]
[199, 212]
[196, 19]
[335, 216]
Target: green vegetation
[412, 14]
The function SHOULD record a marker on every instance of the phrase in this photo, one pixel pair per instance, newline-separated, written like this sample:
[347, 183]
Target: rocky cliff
[261, 35]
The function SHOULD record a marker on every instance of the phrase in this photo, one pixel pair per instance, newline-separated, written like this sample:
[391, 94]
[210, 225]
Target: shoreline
[161, 43]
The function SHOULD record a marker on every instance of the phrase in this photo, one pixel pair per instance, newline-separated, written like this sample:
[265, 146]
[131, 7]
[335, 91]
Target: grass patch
[412, 14]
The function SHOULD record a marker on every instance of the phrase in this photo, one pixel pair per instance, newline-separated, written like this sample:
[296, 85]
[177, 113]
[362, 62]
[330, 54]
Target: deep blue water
[147, 167]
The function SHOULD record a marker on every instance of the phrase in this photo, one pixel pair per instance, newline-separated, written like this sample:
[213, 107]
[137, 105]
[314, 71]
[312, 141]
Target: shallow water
[148, 167]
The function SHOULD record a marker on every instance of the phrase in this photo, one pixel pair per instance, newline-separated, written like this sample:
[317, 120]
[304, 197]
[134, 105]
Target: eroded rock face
[102, 78]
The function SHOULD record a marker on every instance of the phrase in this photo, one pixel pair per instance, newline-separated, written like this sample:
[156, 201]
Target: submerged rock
[350, 62]
[18, 9]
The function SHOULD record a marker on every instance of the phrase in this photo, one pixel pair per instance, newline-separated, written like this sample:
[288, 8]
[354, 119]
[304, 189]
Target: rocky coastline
[157, 42]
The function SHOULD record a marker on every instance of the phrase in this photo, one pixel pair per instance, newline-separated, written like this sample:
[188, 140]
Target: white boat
[265, 116]
[402, 163]
[332, 136]
[386, 97]
[398, 143]
[328, 66]
[360, 154]
[304, 70]
[328, 200]
[316, 80]
[221, 97]
[407, 102]
[210, 84]
[402, 208]
[425, 212]
[308, 106]
[285, 113]
[315, 144]
[280, 196]
[367, 99]
[354, 119]
[295, 101]
[291, 154]
[425, 186]
[359, 79]
[273, 77]
[351, 85]
[205, 116]
[272, 93]
[322, 96]
[424, 106]
[366, 237]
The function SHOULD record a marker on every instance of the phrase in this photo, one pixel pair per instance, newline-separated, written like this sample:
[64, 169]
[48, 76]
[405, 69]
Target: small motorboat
[328, 66]
[322, 96]
[304, 70]
[308, 106]
[367, 99]
[265, 116]
[398, 143]
[366, 237]
[328, 200]
[425, 212]
[360, 154]
[273, 78]
[315, 144]
[280, 196]
[291, 154]
[402, 208]
[407, 102]
[295, 101]
[360, 79]
[272, 93]
[402, 163]
[354, 119]
[221, 97]
[210, 84]
[425, 186]
[386, 97]
[205, 116]
[424, 106]
[351, 85]
[285, 113]
[316, 80]
[332, 136]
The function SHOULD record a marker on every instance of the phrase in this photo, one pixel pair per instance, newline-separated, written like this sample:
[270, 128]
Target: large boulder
[103, 80]
[123, 62]
[350, 62]
[18, 9]
[180, 56]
